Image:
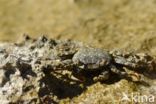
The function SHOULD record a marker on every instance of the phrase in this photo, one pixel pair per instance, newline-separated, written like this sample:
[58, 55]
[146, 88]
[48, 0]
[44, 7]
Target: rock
[40, 71]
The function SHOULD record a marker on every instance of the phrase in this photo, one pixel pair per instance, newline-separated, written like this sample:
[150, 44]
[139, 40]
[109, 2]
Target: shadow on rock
[151, 74]
[26, 70]
[62, 89]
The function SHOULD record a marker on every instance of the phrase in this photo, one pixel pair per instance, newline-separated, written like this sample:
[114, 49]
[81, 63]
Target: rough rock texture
[109, 24]
[40, 71]
[25, 67]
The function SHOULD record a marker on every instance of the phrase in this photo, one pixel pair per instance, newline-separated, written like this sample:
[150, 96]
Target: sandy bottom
[116, 24]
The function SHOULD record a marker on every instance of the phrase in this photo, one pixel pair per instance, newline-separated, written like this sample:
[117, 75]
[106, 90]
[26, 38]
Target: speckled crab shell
[91, 58]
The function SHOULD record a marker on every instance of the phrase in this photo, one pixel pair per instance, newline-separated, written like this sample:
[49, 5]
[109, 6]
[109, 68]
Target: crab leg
[123, 61]
[123, 74]
[117, 71]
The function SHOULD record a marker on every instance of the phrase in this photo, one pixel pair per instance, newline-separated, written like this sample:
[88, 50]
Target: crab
[99, 64]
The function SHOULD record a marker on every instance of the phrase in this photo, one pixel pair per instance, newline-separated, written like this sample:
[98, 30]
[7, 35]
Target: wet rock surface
[37, 71]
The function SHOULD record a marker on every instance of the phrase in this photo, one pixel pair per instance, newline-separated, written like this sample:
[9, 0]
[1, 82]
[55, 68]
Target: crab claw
[102, 77]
